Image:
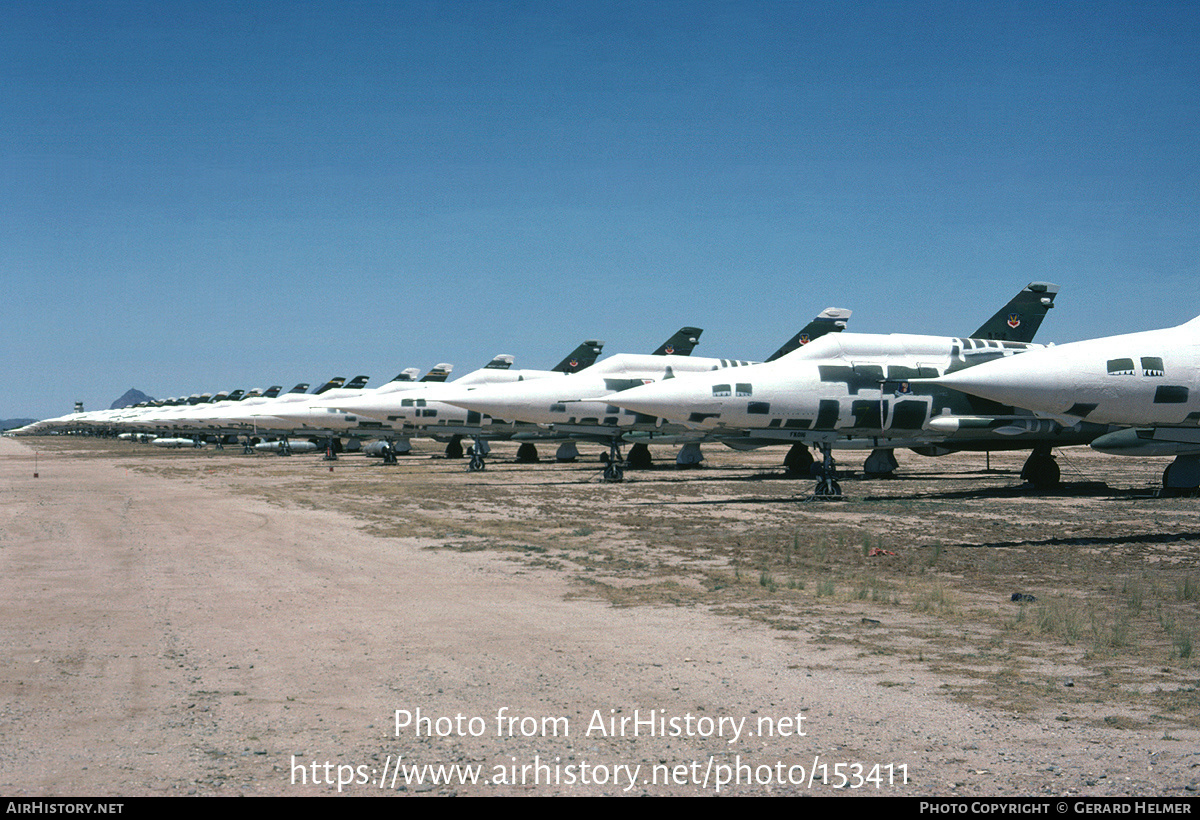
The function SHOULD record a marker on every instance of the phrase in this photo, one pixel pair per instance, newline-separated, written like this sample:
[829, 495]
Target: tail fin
[358, 383]
[408, 374]
[1020, 319]
[272, 391]
[300, 388]
[681, 344]
[336, 381]
[830, 320]
[438, 373]
[583, 356]
[501, 362]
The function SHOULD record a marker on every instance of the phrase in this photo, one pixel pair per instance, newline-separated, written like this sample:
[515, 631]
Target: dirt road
[168, 630]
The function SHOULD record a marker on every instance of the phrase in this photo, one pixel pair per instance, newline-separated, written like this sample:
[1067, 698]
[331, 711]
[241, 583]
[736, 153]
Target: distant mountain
[132, 396]
[10, 424]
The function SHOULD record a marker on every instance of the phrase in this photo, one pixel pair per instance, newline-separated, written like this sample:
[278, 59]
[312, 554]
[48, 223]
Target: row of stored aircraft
[824, 389]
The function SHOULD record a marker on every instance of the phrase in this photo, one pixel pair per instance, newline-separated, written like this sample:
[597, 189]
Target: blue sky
[213, 195]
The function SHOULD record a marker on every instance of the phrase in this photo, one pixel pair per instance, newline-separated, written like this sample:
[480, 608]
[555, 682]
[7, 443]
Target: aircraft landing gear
[827, 488]
[1041, 470]
[613, 471]
[389, 453]
[330, 455]
[478, 451]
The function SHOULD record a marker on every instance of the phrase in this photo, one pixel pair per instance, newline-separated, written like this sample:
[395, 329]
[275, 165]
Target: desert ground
[204, 622]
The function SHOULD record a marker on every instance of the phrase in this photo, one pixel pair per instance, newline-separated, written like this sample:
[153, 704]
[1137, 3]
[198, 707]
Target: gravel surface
[217, 624]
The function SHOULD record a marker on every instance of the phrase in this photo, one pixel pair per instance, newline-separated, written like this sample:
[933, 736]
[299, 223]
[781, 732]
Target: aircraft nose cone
[1024, 380]
[481, 400]
[661, 400]
[292, 414]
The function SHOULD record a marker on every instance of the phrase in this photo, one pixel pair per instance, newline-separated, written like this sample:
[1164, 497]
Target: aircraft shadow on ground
[1089, 541]
[1078, 489]
[1082, 489]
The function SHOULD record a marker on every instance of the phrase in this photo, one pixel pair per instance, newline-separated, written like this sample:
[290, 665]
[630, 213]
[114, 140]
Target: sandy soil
[217, 624]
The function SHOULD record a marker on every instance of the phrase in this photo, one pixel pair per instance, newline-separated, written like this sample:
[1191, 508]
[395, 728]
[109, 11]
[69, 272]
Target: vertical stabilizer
[830, 320]
[681, 344]
[583, 356]
[1019, 320]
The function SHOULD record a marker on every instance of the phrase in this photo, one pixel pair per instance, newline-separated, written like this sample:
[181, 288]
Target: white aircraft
[138, 418]
[396, 417]
[861, 391]
[1149, 381]
[267, 419]
[229, 415]
[428, 414]
[205, 419]
[193, 417]
[189, 418]
[576, 407]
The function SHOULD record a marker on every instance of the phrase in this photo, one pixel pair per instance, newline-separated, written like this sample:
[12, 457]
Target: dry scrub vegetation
[916, 573]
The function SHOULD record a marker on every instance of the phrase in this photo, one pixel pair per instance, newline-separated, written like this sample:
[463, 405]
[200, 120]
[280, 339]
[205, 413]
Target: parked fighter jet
[860, 391]
[398, 416]
[575, 408]
[428, 413]
[1017, 321]
[248, 415]
[199, 419]
[1149, 381]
